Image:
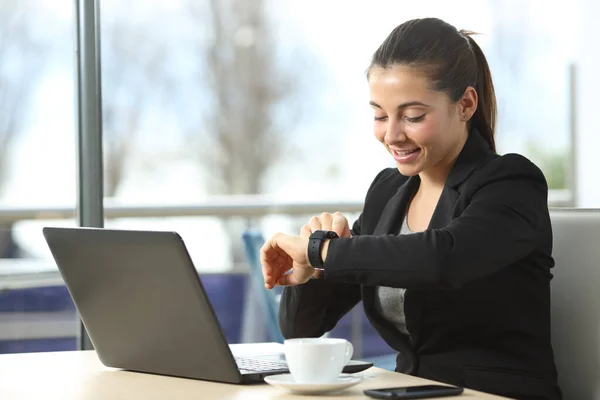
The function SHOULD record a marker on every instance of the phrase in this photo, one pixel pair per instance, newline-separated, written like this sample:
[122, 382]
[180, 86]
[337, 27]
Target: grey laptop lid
[142, 303]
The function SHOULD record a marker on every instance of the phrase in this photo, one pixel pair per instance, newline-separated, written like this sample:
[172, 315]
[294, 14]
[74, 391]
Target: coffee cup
[317, 360]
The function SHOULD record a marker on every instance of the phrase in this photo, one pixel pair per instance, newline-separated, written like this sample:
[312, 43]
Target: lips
[402, 153]
[406, 156]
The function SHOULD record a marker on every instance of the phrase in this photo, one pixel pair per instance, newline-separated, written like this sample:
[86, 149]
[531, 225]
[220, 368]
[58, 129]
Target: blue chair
[386, 361]
[267, 299]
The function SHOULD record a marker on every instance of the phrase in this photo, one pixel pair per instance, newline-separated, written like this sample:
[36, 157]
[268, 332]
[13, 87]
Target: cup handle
[349, 352]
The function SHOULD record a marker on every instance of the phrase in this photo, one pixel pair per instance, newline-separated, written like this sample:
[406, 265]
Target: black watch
[315, 244]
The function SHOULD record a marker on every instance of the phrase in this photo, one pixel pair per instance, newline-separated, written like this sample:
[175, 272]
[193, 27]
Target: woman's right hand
[336, 222]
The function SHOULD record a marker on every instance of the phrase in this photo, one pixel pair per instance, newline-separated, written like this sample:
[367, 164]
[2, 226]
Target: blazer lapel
[396, 207]
[442, 215]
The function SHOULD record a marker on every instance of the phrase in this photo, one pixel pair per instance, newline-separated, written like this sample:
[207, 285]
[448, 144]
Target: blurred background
[209, 104]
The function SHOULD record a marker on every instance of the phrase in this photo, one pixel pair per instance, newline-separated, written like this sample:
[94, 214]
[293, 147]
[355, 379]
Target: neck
[432, 182]
[434, 178]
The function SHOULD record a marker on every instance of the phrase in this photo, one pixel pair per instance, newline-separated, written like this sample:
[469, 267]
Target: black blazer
[477, 281]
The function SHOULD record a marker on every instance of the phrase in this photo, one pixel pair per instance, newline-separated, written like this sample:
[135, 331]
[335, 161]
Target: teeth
[405, 152]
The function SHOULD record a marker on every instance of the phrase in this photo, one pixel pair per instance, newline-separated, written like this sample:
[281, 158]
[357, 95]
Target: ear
[467, 105]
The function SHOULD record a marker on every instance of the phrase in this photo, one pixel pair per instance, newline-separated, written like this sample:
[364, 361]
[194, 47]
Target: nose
[394, 132]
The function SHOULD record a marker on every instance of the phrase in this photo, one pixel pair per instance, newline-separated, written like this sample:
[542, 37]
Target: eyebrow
[403, 105]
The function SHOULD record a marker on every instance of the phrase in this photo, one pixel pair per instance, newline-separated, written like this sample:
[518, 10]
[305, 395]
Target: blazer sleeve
[500, 225]
[314, 308]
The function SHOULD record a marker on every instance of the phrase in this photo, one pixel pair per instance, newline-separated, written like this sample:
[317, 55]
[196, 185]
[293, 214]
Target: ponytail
[484, 119]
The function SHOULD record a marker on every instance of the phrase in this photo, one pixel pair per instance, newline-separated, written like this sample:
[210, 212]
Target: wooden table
[80, 375]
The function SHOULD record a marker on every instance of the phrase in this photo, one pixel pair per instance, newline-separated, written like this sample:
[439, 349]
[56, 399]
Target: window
[219, 105]
[38, 165]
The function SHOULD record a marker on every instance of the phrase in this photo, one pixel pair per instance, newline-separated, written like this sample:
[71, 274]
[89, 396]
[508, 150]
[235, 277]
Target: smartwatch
[315, 245]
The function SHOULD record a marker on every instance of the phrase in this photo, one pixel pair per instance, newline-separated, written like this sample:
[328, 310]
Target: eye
[380, 118]
[415, 119]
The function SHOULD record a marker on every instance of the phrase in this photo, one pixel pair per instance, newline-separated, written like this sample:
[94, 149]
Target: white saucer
[287, 382]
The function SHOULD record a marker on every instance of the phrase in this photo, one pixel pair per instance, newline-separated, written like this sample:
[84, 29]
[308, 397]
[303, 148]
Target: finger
[281, 267]
[268, 275]
[298, 276]
[305, 231]
[340, 225]
[326, 221]
[278, 266]
[268, 254]
[287, 280]
[315, 224]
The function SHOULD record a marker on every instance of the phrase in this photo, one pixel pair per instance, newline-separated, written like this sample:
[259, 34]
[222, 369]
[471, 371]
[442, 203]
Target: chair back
[267, 299]
[575, 292]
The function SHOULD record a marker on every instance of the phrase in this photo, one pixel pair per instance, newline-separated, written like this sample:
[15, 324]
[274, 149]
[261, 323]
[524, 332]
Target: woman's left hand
[282, 253]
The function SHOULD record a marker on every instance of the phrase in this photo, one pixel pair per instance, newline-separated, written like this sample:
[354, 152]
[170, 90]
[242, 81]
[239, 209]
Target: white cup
[317, 360]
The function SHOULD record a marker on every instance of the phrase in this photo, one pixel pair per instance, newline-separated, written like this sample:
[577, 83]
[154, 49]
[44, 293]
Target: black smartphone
[414, 392]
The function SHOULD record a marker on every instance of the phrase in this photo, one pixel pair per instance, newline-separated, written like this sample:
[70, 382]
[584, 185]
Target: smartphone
[414, 392]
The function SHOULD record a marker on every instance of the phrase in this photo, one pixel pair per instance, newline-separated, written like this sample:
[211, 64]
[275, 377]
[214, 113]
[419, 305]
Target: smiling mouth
[408, 156]
[404, 153]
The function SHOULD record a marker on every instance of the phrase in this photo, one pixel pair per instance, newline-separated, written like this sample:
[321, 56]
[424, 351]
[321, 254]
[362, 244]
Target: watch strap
[315, 245]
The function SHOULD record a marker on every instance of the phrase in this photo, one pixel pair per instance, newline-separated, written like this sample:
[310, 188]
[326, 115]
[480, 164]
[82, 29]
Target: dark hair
[451, 59]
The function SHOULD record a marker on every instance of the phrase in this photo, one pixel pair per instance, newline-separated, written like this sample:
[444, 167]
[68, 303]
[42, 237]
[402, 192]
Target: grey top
[389, 302]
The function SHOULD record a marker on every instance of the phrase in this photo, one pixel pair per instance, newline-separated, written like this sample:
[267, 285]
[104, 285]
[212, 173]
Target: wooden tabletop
[80, 375]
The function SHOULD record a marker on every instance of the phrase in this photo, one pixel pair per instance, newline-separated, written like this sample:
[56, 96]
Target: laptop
[143, 305]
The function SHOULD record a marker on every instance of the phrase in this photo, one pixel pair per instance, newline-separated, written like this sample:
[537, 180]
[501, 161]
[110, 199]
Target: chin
[408, 170]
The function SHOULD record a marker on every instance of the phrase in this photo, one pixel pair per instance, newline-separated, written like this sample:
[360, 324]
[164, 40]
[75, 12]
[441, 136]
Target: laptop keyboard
[259, 365]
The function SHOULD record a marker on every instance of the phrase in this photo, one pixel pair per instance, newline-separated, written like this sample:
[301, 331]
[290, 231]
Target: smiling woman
[442, 238]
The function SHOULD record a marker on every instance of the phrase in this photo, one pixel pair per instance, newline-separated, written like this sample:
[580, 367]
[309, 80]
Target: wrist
[324, 249]
[318, 273]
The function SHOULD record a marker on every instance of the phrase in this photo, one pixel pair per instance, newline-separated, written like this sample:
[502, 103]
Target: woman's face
[421, 128]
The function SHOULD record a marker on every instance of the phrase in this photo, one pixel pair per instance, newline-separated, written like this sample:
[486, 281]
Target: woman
[451, 255]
